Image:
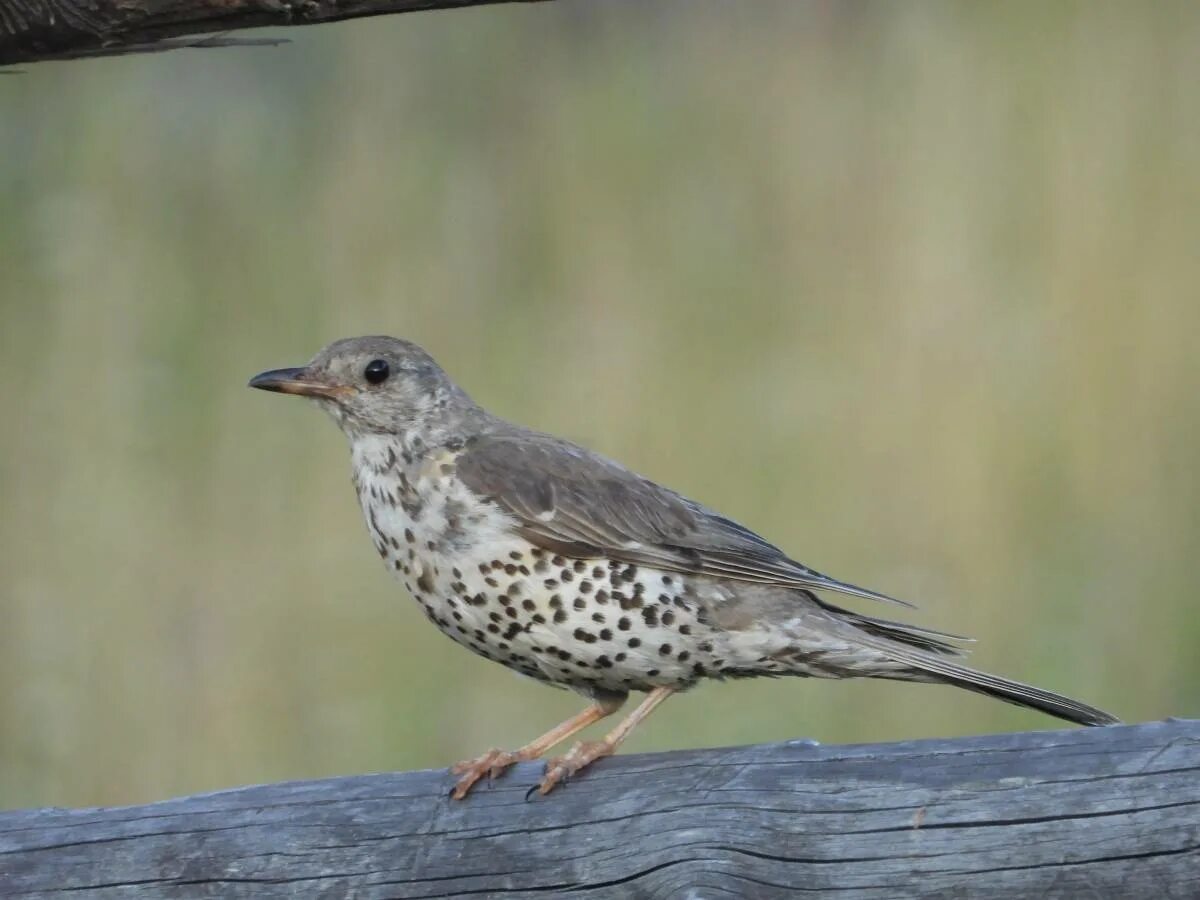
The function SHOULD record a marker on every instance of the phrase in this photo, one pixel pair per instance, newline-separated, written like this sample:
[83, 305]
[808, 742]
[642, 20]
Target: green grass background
[913, 289]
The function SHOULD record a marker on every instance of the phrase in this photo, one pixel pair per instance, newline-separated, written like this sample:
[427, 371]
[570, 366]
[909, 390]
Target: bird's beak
[297, 381]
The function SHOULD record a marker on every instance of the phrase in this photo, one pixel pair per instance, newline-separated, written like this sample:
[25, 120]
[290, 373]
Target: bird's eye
[377, 371]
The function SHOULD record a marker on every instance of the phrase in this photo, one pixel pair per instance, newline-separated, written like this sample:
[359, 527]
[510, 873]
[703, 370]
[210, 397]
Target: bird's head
[373, 385]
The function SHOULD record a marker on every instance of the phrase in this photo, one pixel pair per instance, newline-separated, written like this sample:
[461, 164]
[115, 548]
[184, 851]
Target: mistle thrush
[567, 567]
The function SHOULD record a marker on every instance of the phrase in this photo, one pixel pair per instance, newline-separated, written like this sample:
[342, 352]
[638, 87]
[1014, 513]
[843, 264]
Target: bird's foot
[492, 764]
[577, 758]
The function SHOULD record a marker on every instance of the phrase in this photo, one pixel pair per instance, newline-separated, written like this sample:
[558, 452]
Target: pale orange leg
[494, 762]
[587, 752]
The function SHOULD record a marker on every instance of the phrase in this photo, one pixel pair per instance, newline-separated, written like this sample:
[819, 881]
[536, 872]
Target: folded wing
[576, 503]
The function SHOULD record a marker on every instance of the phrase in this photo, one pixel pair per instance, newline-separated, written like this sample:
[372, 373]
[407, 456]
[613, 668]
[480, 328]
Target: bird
[569, 568]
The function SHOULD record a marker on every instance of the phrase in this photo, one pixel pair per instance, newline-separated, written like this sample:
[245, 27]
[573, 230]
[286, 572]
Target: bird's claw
[491, 764]
[577, 758]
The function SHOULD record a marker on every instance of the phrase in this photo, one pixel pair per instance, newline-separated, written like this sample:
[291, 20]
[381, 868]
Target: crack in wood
[1099, 812]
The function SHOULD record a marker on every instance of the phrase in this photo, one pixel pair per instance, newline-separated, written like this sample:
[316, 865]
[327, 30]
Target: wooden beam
[1100, 812]
[33, 30]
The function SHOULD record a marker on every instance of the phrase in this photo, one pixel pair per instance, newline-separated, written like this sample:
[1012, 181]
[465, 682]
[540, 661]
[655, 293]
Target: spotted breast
[585, 624]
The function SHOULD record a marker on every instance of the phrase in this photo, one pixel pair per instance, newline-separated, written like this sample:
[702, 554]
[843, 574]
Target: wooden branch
[1103, 812]
[32, 30]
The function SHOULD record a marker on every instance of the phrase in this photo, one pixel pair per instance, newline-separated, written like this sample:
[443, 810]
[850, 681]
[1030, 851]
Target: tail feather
[1004, 689]
[926, 639]
[926, 657]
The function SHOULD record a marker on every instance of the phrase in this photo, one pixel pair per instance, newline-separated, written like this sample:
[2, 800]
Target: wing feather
[577, 503]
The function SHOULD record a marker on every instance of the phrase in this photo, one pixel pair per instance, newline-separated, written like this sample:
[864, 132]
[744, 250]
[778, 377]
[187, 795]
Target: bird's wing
[571, 501]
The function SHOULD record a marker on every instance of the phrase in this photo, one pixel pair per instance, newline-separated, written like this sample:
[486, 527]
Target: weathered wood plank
[1104, 812]
[33, 30]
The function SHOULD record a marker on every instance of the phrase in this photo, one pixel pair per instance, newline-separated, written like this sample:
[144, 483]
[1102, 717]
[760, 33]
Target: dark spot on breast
[652, 673]
[602, 597]
[605, 634]
[667, 617]
[541, 566]
[528, 605]
[585, 587]
[586, 636]
[567, 575]
[510, 569]
[579, 603]
[634, 643]
[539, 619]
[664, 650]
[604, 662]
[627, 602]
[550, 583]
[425, 582]
[598, 618]
[685, 629]
[705, 647]
[491, 582]
[560, 616]
[650, 616]
[555, 601]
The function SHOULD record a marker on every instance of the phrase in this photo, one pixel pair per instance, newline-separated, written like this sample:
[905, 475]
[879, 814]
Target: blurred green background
[911, 289]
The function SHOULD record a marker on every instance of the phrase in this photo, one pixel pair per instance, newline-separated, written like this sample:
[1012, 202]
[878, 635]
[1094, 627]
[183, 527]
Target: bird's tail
[1011, 691]
[928, 657]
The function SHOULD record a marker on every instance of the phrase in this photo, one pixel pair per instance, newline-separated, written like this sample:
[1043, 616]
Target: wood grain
[33, 30]
[1100, 812]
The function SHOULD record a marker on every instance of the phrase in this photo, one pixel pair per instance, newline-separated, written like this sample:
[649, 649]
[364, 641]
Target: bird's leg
[494, 762]
[587, 752]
